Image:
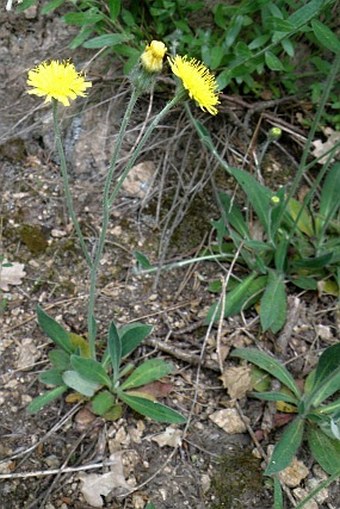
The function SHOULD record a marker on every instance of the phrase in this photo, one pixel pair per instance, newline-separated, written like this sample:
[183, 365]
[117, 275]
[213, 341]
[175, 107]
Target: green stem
[64, 173]
[109, 199]
[105, 222]
[178, 97]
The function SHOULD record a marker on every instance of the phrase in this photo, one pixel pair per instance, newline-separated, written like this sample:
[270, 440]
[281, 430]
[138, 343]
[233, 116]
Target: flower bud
[152, 57]
[274, 134]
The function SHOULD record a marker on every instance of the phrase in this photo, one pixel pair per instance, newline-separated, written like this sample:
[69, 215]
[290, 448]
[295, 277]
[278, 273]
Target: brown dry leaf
[171, 437]
[320, 147]
[11, 274]
[237, 381]
[94, 486]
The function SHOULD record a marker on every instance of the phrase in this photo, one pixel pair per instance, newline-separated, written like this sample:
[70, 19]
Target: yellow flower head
[57, 80]
[198, 81]
[152, 57]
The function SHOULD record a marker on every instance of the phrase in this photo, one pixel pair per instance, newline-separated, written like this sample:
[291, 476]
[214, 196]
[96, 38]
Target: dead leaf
[28, 354]
[320, 147]
[237, 381]
[94, 486]
[11, 274]
[229, 420]
[171, 437]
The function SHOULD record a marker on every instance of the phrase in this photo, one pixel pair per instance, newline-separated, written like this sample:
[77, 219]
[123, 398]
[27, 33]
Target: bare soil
[44, 457]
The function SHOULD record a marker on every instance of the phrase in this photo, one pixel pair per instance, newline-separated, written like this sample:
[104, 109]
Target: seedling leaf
[269, 364]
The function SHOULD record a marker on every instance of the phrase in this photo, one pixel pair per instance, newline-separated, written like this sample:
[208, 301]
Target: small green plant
[317, 419]
[108, 382]
[295, 242]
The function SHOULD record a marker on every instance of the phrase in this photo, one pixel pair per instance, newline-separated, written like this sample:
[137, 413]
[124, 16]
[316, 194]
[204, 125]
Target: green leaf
[150, 505]
[330, 408]
[90, 370]
[102, 402]
[148, 372]
[324, 449]
[329, 361]
[76, 382]
[280, 25]
[278, 495]
[286, 448]
[107, 40]
[233, 215]
[307, 12]
[324, 389]
[54, 331]
[305, 223]
[154, 410]
[258, 195]
[273, 306]
[275, 396]
[115, 350]
[89, 17]
[325, 36]
[46, 398]
[51, 377]
[319, 262]
[244, 295]
[269, 364]
[329, 199]
[132, 335]
[273, 62]
[26, 4]
[59, 359]
[51, 6]
[114, 7]
[142, 260]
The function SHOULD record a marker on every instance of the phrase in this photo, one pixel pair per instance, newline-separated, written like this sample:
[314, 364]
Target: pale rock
[229, 420]
[294, 474]
[139, 180]
[300, 494]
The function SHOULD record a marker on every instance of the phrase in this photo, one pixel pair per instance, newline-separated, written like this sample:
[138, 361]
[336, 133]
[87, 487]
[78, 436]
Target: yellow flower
[198, 81]
[152, 57]
[57, 80]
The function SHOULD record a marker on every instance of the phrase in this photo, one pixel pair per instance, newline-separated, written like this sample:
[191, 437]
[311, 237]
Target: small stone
[300, 494]
[139, 180]
[293, 475]
[84, 419]
[229, 420]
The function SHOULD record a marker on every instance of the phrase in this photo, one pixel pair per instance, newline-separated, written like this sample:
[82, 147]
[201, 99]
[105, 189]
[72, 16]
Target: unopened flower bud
[275, 200]
[274, 133]
[152, 57]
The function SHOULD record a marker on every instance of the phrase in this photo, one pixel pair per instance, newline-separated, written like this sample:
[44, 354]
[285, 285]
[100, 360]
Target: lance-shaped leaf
[39, 402]
[269, 364]
[275, 396]
[115, 350]
[156, 411]
[54, 330]
[148, 372]
[287, 447]
[273, 307]
[132, 335]
[324, 449]
[76, 382]
[90, 370]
